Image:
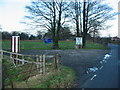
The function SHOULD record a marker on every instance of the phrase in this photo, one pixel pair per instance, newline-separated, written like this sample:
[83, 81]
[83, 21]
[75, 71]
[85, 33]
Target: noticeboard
[78, 40]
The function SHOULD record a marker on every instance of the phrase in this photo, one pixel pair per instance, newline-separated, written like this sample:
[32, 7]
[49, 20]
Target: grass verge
[65, 78]
[62, 79]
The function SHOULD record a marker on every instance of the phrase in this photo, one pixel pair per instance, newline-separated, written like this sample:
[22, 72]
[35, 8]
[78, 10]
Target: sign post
[15, 46]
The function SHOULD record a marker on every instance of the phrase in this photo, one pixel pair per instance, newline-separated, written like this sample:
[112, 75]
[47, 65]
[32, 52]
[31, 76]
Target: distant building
[115, 38]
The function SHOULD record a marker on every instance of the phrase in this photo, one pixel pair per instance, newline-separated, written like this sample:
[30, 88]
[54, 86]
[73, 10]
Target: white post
[15, 46]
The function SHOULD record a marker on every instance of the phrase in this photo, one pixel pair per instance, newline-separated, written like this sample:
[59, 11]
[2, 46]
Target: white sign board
[78, 40]
[15, 44]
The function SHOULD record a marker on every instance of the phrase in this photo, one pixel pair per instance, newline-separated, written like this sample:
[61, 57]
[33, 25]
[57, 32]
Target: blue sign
[47, 40]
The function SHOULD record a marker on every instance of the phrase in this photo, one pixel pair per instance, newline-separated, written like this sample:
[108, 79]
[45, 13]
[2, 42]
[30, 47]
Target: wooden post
[16, 56]
[43, 64]
[40, 65]
[1, 55]
[37, 59]
[23, 60]
[11, 55]
[56, 61]
[15, 47]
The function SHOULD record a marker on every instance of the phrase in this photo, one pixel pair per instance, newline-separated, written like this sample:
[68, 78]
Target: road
[107, 77]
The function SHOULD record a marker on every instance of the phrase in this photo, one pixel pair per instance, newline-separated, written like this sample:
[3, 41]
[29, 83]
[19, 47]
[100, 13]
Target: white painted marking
[93, 77]
[101, 67]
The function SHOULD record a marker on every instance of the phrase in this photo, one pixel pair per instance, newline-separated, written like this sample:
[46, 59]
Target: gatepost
[15, 46]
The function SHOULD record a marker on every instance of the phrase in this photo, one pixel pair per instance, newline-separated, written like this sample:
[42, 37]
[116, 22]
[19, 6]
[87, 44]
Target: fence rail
[40, 60]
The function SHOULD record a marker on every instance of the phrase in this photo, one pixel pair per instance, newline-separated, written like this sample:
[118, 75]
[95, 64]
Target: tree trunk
[55, 43]
[84, 29]
[77, 19]
[55, 40]
[84, 41]
[94, 36]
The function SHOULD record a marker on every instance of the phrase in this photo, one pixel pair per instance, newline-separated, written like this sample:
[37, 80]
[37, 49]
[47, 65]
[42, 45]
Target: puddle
[91, 70]
[107, 56]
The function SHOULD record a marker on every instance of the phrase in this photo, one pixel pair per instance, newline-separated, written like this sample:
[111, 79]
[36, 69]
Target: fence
[40, 61]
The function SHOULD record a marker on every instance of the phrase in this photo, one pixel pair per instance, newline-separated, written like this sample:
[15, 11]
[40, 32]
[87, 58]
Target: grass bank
[40, 45]
[65, 78]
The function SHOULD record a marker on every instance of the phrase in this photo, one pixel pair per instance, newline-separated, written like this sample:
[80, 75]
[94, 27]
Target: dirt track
[79, 60]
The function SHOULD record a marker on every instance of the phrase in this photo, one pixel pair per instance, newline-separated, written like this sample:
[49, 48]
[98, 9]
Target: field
[31, 45]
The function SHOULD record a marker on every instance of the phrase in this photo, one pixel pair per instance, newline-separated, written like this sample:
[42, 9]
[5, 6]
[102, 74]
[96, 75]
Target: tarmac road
[107, 77]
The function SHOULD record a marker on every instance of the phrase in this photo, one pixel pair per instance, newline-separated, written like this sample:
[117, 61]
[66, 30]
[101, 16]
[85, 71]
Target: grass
[40, 45]
[65, 78]
[91, 45]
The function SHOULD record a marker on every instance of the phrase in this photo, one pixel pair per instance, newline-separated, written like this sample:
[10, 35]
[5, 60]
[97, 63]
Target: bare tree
[91, 14]
[48, 15]
[96, 15]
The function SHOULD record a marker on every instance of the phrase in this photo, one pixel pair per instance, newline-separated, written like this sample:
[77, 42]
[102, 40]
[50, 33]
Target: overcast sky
[13, 11]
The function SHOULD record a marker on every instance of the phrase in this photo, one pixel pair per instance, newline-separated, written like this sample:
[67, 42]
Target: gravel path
[79, 60]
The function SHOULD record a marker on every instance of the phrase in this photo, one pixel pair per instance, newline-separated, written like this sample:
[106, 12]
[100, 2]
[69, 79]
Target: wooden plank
[49, 56]
[11, 52]
[26, 61]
